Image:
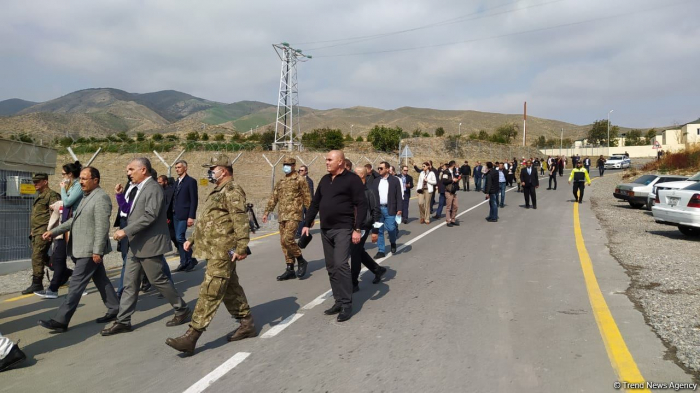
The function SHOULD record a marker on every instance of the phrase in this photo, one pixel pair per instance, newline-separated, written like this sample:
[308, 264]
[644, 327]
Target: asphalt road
[480, 307]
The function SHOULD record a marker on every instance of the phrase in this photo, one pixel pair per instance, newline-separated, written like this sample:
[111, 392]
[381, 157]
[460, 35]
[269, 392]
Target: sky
[571, 60]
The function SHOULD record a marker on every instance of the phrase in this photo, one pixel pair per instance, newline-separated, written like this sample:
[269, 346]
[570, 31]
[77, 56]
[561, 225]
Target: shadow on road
[369, 291]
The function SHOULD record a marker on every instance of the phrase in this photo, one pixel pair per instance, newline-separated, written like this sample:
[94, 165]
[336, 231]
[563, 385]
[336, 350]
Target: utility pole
[524, 122]
[611, 111]
[460, 129]
[561, 140]
[288, 98]
[351, 126]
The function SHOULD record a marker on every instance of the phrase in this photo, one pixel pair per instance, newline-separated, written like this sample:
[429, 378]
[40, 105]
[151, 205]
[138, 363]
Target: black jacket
[409, 186]
[465, 170]
[491, 186]
[374, 214]
[394, 195]
[529, 180]
[185, 199]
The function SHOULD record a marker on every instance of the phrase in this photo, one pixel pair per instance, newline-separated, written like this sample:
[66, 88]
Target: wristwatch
[358, 230]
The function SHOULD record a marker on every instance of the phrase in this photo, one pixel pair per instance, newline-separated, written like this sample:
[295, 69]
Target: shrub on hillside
[439, 131]
[324, 139]
[385, 138]
[192, 136]
[157, 137]
[359, 139]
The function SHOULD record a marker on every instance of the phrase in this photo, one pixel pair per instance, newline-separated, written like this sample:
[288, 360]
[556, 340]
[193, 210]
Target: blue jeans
[441, 204]
[503, 193]
[477, 183]
[389, 225]
[180, 231]
[493, 206]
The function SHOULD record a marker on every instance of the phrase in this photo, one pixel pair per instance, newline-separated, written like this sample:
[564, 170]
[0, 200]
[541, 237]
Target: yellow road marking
[618, 353]
[18, 298]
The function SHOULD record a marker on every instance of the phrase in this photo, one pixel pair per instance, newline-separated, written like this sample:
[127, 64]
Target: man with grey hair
[184, 209]
[149, 239]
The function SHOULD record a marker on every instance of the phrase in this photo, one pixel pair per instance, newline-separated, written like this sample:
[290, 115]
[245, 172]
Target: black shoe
[492, 220]
[393, 248]
[106, 318]
[181, 268]
[15, 356]
[355, 288]
[35, 287]
[333, 310]
[502, 206]
[449, 225]
[455, 223]
[527, 206]
[549, 188]
[302, 265]
[534, 207]
[379, 255]
[145, 288]
[116, 329]
[554, 188]
[288, 274]
[378, 275]
[53, 325]
[345, 313]
[191, 265]
[436, 217]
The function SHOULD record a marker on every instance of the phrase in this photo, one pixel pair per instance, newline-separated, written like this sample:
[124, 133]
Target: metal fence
[14, 215]
[583, 151]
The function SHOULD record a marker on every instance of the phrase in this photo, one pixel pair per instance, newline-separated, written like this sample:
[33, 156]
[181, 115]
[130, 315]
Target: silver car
[636, 192]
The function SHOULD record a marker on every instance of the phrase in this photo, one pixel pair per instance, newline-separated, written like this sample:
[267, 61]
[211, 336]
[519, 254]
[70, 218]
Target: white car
[674, 185]
[680, 208]
[636, 192]
[618, 162]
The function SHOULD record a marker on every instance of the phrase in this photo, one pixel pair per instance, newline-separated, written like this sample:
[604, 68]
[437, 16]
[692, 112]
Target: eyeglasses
[380, 168]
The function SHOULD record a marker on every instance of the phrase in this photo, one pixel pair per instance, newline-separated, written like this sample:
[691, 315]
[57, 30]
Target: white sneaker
[47, 294]
[84, 293]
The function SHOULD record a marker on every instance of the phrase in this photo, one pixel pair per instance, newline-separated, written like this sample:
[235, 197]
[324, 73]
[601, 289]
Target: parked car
[673, 185]
[680, 208]
[636, 192]
[618, 162]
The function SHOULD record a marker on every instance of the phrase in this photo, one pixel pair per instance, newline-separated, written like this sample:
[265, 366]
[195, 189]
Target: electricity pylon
[288, 99]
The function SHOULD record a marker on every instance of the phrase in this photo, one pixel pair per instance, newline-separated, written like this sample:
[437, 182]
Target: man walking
[530, 182]
[341, 201]
[304, 172]
[407, 181]
[465, 171]
[292, 195]
[502, 181]
[580, 177]
[491, 191]
[477, 176]
[38, 224]
[147, 230]
[451, 183]
[184, 207]
[87, 245]
[390, 200]
[221, 236]
[587, 164]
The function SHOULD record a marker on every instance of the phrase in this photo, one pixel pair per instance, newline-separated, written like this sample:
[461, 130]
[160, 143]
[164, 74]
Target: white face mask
[287, 169]
[211, 174]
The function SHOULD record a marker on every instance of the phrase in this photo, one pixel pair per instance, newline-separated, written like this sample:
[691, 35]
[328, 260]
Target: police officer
[221, 236]
[580, 177]
[292, 194]
[39, 222]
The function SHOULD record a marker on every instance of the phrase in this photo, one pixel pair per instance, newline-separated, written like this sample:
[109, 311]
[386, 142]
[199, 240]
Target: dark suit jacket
[168, 193]
[394, 196]
[529, 180]
[477, 171]
[311, 185]
[185, 199]
[409, 185]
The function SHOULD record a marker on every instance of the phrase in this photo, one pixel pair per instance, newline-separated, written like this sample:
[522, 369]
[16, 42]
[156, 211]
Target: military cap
[218, 160]
[289, 161]
[40, 176]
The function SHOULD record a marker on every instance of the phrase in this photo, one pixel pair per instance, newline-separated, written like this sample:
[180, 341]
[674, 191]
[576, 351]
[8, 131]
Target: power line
[508, 34]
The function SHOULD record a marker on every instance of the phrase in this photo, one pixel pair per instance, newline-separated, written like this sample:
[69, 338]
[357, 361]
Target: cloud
[642, 64]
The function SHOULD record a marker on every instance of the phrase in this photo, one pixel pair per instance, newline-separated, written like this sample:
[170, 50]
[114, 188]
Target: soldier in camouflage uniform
[292, 194]
[221, 237]
[38, 225]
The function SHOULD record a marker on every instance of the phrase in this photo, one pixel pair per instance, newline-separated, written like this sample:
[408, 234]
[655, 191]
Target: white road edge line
[322, 298]
[275, 330]
[218, 372]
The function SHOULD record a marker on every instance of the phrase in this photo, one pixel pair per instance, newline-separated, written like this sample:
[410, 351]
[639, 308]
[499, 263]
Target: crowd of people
[154, 212]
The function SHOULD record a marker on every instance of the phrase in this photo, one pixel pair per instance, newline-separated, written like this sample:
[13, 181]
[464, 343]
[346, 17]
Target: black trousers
[553, 177]
[336, 250]
[58, 262]
[529, 192]
[579, 185]
[601, 170]
[358, 257]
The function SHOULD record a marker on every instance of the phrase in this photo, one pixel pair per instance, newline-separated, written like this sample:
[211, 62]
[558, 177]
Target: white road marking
[218, 372]
[322, 298]
[275, 330]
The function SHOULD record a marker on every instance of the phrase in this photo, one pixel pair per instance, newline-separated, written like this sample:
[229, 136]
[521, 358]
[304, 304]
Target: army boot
[245, 330]
[302, 264]
[288, 274]
[186, 342]
[36, 286]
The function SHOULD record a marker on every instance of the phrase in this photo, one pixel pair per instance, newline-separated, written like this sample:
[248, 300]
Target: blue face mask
[287, 169]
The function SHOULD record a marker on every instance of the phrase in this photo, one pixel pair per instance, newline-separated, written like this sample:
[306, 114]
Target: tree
[192, 136]
[385, 138]
[348, 138]
[507, 132]
[140, 136]
[324, 139]
[417, 133]
[205, 136]
[425, 135]
[359, 139]
[157, 137]
[651, 136]
[634, 138]
[483, 135]
[439, 131]
[405, 135]
[123, 137]
[473, 136]
[539, 142]
[219, 137]
[598, 134]
[267, 138]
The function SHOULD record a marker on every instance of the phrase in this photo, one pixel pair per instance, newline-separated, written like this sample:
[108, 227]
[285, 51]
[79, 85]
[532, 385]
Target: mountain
[13, 106]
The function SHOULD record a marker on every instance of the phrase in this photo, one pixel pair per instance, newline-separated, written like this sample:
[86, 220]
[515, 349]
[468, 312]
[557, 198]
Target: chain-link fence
[15, 208]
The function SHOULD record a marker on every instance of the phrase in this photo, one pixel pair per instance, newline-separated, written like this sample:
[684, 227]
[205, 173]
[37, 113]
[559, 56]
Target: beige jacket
[55, 218]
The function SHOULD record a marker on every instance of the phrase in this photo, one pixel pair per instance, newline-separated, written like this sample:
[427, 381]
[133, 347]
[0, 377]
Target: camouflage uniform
[222, 223]
[293, 194]
[39, 223]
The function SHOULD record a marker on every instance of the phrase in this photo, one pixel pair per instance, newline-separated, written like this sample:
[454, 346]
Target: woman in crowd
[552, 176]
[425, 188]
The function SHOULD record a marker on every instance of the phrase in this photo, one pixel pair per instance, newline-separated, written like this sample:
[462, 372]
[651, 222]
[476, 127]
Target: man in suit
[465, 171]
[530, 182]
[184, 210]
[147, 230]
[408, 185]
[87, 245]
[390, 201]
[168, 193]
[477, 175]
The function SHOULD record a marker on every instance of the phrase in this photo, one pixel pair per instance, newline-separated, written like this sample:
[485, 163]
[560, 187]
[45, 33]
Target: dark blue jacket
[184, 203]
[477, 172]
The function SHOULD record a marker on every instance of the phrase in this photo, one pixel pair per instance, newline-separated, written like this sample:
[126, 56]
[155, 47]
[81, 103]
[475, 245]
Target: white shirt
[138, 191]
[383, 191]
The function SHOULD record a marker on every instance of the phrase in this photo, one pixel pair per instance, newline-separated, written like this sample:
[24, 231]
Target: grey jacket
[89, 226]
[147, 226]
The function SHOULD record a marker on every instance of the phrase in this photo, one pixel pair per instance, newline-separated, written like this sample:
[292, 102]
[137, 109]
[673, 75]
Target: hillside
[13, 106]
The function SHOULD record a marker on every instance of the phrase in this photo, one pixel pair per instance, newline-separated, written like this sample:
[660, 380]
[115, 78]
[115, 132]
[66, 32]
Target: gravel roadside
[664, 270]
